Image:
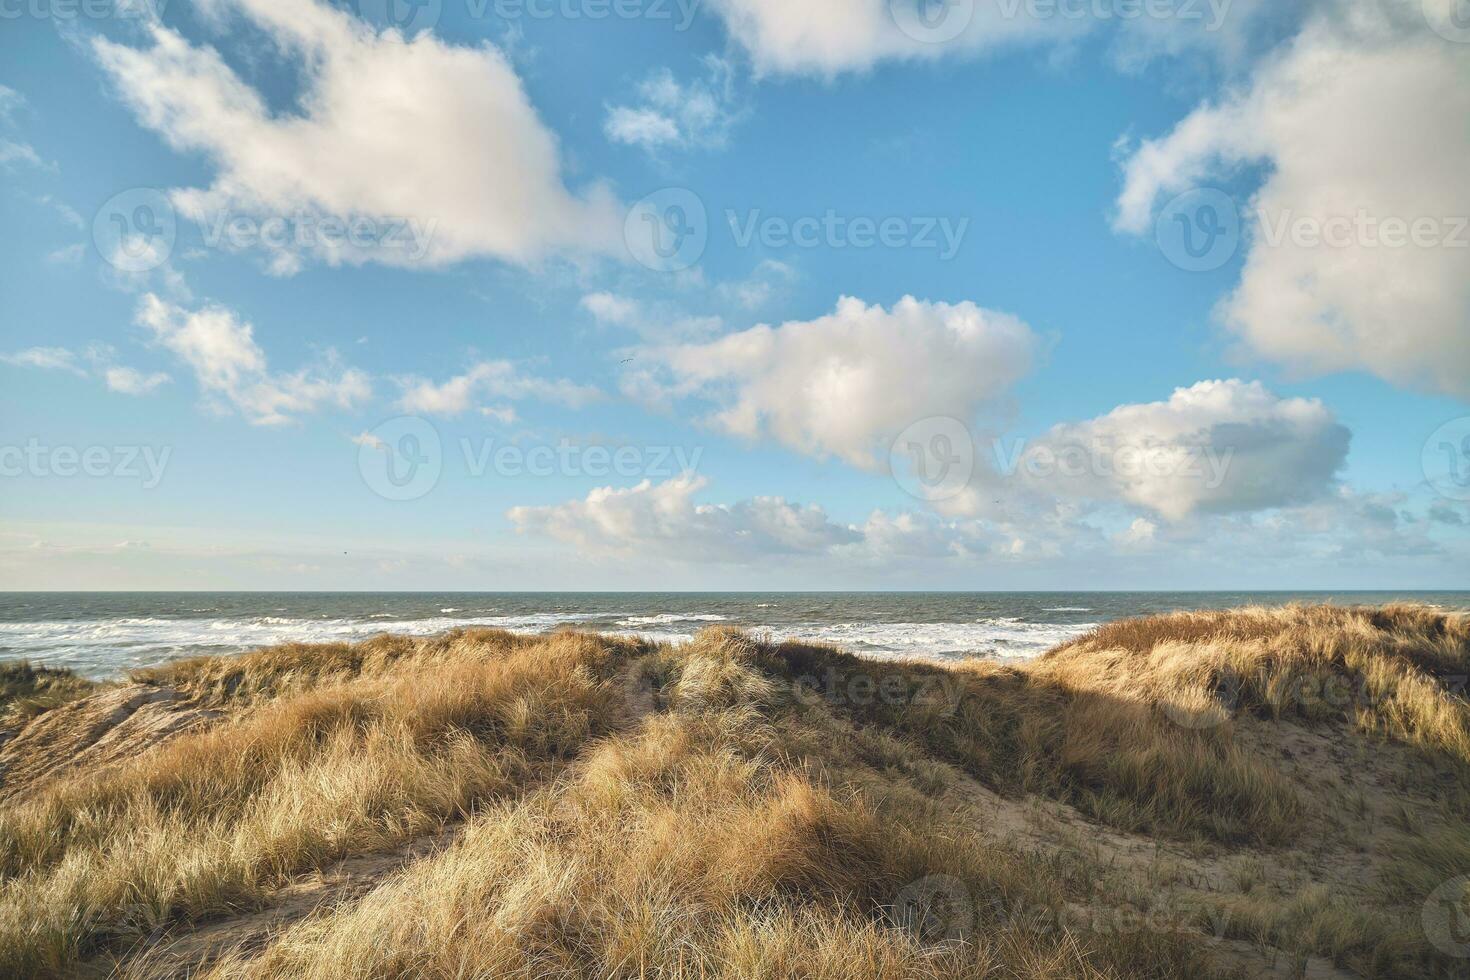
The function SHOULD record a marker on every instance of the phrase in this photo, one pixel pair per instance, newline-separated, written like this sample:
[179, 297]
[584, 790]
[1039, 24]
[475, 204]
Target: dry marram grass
[734, 808]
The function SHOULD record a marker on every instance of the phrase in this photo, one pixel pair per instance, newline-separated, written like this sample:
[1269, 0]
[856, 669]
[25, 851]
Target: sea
[105, 634]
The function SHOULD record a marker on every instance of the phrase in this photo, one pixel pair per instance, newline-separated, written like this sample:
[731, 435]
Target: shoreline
[105, 635]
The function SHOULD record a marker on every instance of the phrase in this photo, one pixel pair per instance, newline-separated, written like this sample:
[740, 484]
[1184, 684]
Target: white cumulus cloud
[668, 521]
[612, 308]
[846, 384]
[664, 519]
[1216, 447]
[829, 37]
[1358, 246]
[409, 134]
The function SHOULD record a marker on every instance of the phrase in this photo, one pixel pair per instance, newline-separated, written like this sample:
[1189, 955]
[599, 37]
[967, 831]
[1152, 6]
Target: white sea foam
[661, 619]
[108, 647]
[1008, 637]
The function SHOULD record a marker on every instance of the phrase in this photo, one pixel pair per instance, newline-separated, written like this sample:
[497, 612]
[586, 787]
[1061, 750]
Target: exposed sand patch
[96, 731]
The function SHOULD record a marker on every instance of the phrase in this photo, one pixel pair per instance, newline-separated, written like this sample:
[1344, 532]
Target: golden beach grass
[734, 808]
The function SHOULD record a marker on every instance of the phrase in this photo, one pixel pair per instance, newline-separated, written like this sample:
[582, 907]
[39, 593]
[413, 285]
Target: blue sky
[1025, 381]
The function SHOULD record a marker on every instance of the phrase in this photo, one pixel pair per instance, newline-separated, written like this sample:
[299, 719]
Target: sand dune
[1248, 793]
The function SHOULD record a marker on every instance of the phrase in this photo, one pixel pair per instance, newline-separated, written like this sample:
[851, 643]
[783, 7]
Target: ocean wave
[1068, 609]
[101, 648]
[109, 647]
[660, 619]
[1006, 637]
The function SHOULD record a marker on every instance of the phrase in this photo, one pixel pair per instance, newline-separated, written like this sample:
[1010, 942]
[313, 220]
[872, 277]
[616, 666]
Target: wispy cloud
[669, 114]
[496, 380]
[131, 381]
[46, 358]
[96, 361]
[231, 368]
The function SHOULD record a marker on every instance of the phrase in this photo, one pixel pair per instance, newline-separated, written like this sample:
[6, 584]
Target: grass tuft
[27, 691]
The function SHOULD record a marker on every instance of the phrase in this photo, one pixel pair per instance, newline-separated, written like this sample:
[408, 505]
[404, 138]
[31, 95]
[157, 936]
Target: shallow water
[105, 634]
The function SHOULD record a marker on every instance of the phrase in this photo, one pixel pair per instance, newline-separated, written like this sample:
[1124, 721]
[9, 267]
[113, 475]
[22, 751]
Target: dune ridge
[1259, 792]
